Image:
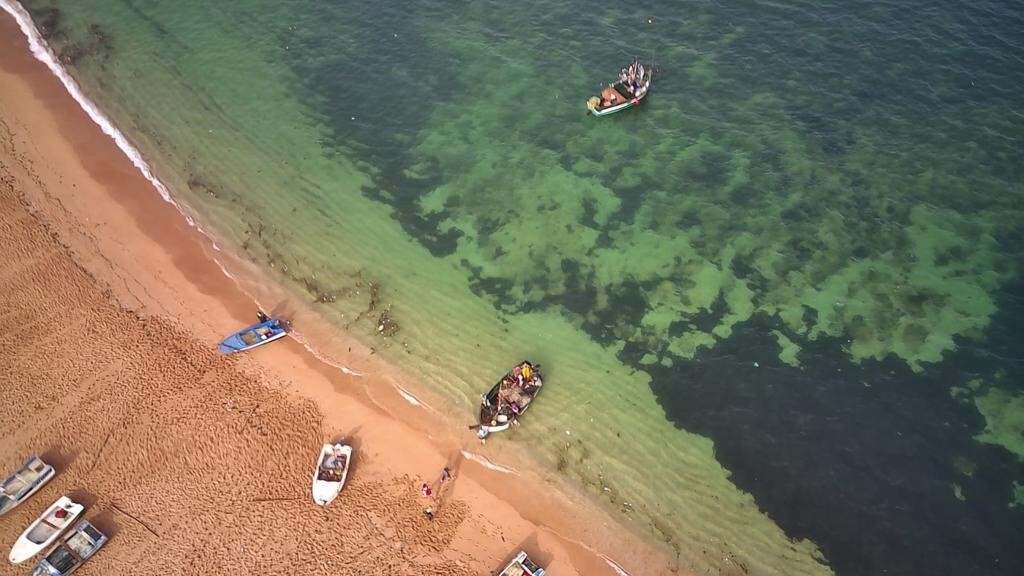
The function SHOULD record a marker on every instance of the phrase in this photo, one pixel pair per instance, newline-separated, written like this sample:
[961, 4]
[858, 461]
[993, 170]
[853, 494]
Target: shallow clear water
[777, 301]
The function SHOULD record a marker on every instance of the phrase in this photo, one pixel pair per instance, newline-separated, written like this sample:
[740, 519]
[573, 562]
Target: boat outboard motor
[482, 433]
[262, 316]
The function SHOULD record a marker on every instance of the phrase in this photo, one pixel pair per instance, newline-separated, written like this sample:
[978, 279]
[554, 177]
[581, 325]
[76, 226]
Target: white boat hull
[45, 530]
[39, 472]
[498, 428]
[324, 492]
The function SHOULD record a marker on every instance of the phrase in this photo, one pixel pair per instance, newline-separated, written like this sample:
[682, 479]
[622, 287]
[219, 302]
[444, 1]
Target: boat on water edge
[265, 332]
[521, 565]
[629, 91]
[502, 406]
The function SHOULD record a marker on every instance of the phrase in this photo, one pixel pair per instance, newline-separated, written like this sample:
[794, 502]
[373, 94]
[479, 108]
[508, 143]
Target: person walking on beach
[446, 474]
[429, 513]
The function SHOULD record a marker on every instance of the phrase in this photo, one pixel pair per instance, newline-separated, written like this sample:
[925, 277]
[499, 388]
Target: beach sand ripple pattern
[192, 464]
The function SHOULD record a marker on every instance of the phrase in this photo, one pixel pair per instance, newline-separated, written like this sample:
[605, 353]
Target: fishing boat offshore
[632, 87]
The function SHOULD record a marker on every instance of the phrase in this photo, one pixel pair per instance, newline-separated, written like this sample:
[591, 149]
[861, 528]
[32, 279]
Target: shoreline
[144, 253]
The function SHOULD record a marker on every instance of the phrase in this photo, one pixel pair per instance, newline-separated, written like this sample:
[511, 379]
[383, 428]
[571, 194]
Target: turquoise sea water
[778, 304]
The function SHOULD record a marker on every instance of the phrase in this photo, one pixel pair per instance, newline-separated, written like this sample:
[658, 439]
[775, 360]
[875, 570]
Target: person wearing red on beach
[426, 491]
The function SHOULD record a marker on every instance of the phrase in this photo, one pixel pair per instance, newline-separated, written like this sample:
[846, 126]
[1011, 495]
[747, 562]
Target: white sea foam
[408, 396]
[223, 269]
[41, 50]
[486, 463]
[313, 350]
[615, 566]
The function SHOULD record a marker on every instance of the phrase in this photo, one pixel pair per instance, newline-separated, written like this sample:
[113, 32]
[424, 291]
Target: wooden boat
[45, 529]
[509, 398]
[77, 547]
[521, 565]
[25, 481]
[621, 95]
[268, 330]
[330, 473]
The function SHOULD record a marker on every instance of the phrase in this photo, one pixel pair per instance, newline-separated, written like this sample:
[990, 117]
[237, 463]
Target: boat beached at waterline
[331, 472]
[45, 529]
[509, 399]
[268, 330]
[25, 482]
[632, 87]
[78, 546]
[521, 565]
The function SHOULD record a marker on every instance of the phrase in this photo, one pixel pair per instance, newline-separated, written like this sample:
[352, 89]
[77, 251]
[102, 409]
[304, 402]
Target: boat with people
[266, 331]
[632, 87]
[509, 399]
[331, 472]
[78, 546]
[521, 565]
[45, 529]
[24, 482]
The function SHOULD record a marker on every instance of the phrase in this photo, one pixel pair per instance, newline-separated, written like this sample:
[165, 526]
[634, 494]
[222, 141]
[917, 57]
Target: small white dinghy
[331, 472]
[47, 528]
[25, 481]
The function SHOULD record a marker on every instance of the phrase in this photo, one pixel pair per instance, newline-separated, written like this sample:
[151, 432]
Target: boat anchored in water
[509, 398]
[268, 330]
[632, 87]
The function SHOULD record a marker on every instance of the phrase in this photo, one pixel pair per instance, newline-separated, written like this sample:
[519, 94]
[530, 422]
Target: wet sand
[200, 463]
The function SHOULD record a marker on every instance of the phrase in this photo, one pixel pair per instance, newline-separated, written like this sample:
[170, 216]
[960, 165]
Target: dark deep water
[859, 458]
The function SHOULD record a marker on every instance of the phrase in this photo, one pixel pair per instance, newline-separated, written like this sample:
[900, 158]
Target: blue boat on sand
[268, 330]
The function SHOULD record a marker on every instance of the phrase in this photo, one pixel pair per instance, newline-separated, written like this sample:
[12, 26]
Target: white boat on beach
[47, 528]
[25, 482]
[330, 473]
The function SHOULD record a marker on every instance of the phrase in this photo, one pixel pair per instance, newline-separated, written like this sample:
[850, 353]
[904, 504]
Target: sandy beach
[197, 463]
